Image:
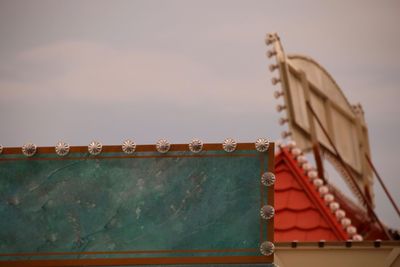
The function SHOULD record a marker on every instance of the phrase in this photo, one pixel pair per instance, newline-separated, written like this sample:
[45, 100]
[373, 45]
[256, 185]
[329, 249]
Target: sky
[145, 70]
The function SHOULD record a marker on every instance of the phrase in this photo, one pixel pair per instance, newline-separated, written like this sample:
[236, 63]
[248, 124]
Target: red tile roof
[300, 212]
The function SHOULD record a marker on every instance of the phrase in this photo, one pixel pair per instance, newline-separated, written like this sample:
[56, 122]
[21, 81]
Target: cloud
[98, 73]
[74, 90]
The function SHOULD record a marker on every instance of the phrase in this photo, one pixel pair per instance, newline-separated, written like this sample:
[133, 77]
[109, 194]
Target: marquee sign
[111, 205]
[304, 81]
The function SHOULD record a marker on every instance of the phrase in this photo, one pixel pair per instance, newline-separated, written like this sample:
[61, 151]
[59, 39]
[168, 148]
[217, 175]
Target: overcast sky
[145, 70]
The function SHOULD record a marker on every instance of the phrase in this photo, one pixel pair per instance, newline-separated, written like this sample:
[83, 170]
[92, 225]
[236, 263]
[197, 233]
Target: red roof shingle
[300, 212]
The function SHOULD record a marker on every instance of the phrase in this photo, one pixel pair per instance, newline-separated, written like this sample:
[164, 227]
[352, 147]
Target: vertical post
[313, 133]
[366, 172]
[382, 184]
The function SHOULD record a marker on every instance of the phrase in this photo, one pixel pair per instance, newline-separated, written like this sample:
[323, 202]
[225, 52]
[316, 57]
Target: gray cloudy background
[110, 70]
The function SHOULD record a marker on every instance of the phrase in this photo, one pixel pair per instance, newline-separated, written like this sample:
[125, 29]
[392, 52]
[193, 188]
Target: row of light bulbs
[267, 248]
[323, 191]
[271, 38]
[267, 212]
[128, 146]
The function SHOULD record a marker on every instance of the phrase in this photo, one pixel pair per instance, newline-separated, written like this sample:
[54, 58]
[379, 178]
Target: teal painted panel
[147, 205]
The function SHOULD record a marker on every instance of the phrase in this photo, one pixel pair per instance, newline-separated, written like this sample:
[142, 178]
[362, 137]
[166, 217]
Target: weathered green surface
[145, 203]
